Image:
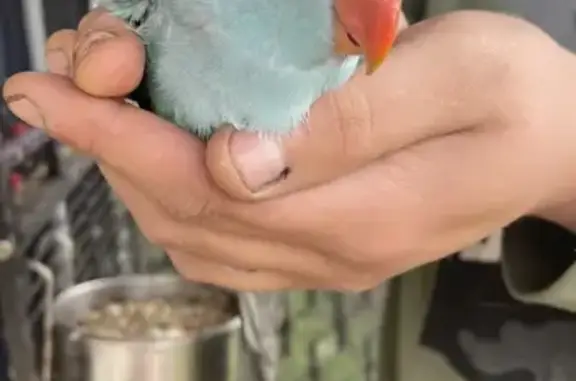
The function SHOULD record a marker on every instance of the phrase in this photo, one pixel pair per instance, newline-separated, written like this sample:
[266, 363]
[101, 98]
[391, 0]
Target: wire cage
[60, 224]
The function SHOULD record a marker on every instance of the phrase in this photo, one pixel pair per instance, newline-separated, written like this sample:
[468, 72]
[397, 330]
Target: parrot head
[366, 27]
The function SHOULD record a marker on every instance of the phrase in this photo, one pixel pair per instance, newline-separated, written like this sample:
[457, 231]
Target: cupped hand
[453, 138]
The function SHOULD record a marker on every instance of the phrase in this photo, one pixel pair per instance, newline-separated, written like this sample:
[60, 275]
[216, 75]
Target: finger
[428, 86]
[208, 270]
[205, 271]
[245, 253]
[457, 172]
[60, 52]
[107, 59]
[223, 243]
[162, 160]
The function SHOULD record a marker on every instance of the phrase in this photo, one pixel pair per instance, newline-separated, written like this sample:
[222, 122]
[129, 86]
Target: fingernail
[57, 62]
[89, 42]
[258, 160]
[25, 110]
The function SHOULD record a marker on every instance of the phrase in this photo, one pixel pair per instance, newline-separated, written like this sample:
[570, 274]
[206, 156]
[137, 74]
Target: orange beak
[370, 24]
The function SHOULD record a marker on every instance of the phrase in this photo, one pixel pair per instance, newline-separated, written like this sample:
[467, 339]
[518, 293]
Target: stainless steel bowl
[213, 353]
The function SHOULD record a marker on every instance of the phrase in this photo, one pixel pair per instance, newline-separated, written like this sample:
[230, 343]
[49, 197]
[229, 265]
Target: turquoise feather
[254, 64]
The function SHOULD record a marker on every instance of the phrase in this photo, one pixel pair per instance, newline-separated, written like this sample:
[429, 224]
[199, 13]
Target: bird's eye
[352, 39]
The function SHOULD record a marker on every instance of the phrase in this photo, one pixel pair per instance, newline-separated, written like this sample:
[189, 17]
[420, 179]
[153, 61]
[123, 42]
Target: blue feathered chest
[253, 64]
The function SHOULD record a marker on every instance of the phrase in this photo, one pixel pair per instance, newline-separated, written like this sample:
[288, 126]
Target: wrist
[560, 204]
[538, 98]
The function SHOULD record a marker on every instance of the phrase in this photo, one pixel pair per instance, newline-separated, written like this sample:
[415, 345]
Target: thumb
[414, 96]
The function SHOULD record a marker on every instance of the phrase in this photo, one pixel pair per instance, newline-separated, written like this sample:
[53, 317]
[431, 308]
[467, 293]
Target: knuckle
[191, 209]
[88, 145]
[360, 257]
[104, 117]
[205, 209]
[352, 122]
[185, 207]
[83, 142]
[199, 209]
[84, 132]
[160, 233]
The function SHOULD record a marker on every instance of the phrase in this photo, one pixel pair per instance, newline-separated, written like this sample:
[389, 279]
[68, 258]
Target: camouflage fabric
[332, 336]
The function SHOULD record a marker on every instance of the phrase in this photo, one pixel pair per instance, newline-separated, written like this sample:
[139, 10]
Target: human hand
[450, 140]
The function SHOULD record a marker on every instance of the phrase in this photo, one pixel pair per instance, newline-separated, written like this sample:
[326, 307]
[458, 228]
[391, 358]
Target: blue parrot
[253, 64]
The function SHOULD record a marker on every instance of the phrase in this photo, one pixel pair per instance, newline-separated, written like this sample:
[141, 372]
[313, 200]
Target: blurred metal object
[15, 151]
[47, 277]
[214, 353]
[262, 316]
[36, 32]
[65, 254]
[127, 261]
[14, 289]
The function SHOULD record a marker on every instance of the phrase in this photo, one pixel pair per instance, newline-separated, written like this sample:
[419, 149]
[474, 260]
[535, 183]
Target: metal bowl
[209, 351]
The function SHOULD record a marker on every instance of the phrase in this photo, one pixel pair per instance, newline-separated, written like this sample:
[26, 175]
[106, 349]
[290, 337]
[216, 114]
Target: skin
[468, 125]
